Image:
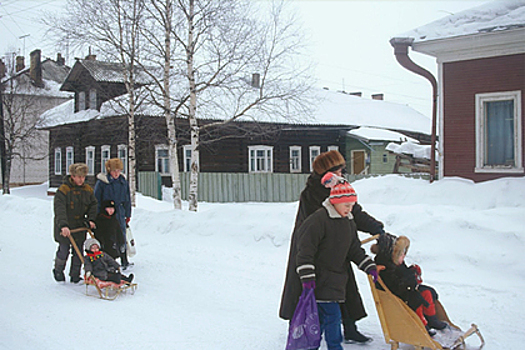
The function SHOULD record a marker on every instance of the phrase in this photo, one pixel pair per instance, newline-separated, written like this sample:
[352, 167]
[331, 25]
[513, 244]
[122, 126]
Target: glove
[417, 273]
[309, 285]
[127, 220]
[373, 272]
[88, 274]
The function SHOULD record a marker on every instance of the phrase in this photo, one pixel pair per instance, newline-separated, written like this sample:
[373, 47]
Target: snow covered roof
[108, 72]
[52, 77]
[500, 15]
[375, 134]
[413, 149]
[334, 108]
[343, 109]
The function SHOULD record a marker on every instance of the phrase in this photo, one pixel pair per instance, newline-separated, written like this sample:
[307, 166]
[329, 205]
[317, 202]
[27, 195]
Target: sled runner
[108, 290]
[401, 324]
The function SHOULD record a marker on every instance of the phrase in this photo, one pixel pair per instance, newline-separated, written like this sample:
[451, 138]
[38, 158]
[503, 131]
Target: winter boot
[129, 278]
[434, 322]
[58, 271]
[74, 272]
[124, 263]
[430, 331]
[352, 335]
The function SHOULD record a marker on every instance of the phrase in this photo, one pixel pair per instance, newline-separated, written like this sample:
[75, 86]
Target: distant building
[481, 76]
[94, 132]
[27, 94]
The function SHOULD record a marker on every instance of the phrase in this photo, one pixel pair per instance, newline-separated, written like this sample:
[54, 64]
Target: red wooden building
[480, 54]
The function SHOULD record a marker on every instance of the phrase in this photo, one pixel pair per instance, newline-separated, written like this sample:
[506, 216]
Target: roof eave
[473, 46]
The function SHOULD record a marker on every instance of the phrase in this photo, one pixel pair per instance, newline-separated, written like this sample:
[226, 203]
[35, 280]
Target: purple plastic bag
[305, 332]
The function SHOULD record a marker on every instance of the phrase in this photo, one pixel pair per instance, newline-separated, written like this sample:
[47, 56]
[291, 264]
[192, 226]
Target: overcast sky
[348, 41]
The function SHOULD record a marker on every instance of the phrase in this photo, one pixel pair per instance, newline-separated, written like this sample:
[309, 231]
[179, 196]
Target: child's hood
[106, 204]
[389, 248]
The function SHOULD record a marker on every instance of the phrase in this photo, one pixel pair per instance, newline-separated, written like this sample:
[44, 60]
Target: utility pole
[24, 37]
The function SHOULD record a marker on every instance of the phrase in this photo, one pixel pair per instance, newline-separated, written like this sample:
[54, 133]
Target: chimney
[61, 61]
[35, 68]
[2, 69]
[256, 80]
[19, 63]
[357, 93]
[91, 57]
[380, 97]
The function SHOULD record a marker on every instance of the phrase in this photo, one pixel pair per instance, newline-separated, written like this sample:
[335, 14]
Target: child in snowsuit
[406, 282]
[326, 244]
[101, 265]
[107, 230]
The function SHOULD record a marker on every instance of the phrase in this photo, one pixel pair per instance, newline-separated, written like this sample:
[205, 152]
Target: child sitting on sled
[102, 265]
[406, 282]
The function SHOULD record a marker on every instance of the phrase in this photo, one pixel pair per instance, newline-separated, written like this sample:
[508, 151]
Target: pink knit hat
[340, 190]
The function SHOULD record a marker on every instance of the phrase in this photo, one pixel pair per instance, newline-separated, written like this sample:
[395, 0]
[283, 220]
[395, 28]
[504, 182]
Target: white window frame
[187, 157]
[258, 164]
[90, 159]
[92, 99]
[515, 96]
[313, 151]
[295, 162]
[70, 156]
[122, 154]
[104, 158]
[81, 100]
[333, 148]
[58, 161]
[166, 160]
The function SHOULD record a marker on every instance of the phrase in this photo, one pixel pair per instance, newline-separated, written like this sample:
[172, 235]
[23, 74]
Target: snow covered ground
[213, 279]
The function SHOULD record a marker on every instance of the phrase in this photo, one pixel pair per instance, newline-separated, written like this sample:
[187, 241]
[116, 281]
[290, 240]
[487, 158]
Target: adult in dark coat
[310, 200]
[108, 231]
[74, 204]
[114, 186]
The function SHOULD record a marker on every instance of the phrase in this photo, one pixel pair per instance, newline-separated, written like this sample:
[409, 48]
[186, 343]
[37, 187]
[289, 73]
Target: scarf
[95, 256]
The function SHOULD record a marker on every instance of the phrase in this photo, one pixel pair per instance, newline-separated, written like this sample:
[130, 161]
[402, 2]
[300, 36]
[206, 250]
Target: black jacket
[401, 280]
[326, 243]
[311, 199]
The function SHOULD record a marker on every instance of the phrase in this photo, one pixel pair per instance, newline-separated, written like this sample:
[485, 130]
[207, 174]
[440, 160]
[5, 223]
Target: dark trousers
[114, 277]
[330, 321]
[64, 248]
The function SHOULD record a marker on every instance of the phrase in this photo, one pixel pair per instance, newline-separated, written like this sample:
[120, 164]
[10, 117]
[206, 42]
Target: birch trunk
[194, 127]
[170, 119]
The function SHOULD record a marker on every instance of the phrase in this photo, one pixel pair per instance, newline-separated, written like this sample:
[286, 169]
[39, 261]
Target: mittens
[309, 285]
[373, 272]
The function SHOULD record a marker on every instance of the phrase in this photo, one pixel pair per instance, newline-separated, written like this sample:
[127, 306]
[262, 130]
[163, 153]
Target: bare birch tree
[160, 22]
[222, 42]
[111, 26]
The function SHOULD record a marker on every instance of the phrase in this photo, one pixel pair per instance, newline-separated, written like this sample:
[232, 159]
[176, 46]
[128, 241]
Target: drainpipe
[400, 46]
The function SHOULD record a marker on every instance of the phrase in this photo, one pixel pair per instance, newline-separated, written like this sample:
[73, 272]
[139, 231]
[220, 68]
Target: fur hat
[401, 245]
[327, 161]
[89, 242]
[114, 164]
[78, 169]
[340, 190]
[390, 247]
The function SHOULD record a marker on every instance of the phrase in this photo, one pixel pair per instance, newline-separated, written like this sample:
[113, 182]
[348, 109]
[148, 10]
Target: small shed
[367, 149]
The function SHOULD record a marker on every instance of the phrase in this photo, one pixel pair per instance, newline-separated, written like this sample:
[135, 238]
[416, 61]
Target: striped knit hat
[340, 190]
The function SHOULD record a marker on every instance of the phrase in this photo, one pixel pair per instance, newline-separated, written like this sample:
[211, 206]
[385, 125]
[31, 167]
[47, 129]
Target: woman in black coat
[311, 199]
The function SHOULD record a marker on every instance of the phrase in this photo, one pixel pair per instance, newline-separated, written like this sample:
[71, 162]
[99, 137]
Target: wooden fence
[236, 187]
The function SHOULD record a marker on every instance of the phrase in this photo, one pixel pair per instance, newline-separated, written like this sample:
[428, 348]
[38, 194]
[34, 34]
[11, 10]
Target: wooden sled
[401, 324]
[108, 290]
